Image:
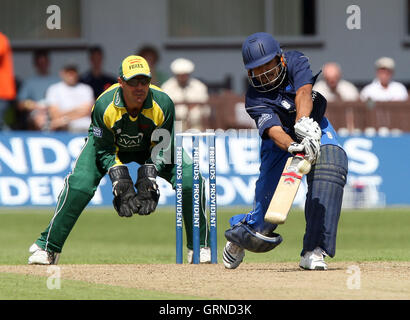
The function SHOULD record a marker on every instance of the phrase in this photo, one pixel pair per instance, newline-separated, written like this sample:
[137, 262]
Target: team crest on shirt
[126, 141]
[97, 132]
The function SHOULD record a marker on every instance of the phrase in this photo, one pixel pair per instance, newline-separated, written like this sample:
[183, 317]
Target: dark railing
[228, 112]
[361, 115]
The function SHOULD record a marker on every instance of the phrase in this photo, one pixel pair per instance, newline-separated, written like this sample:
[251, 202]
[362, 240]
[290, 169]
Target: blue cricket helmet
[258, 49]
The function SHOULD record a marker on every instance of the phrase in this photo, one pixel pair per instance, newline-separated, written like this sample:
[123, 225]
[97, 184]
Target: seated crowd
[47, 102]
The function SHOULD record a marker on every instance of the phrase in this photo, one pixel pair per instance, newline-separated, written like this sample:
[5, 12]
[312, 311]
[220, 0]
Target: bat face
[296, 167]
[290, 177]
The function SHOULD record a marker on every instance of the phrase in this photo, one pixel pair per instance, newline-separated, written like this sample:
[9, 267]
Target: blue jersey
[277, 107]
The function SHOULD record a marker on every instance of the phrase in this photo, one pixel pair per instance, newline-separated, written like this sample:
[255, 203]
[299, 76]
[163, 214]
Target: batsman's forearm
[303, 102]
[280, 137]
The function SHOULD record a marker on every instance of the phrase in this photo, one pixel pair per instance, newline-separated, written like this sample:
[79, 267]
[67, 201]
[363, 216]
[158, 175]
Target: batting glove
[307, 128]
[309, 147]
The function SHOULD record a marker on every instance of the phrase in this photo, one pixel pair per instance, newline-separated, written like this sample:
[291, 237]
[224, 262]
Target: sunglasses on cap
[139, 80]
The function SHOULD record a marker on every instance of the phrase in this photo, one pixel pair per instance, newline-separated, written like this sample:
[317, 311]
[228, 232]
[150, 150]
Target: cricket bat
[295, 168]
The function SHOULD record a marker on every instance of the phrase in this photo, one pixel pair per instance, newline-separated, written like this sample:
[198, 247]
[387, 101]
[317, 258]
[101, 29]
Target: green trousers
[81, 184]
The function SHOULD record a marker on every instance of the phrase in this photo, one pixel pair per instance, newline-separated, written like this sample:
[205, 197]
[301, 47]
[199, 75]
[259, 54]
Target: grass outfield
[28, 287]
[101, 237]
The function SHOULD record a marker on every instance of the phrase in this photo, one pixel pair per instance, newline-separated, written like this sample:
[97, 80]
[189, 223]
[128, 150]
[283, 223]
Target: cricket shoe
[233, 255]
[41, 256]
[314, 260]
[204, 255]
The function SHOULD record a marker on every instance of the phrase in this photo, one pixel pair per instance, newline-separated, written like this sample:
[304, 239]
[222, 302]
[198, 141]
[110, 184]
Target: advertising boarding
[33, 167]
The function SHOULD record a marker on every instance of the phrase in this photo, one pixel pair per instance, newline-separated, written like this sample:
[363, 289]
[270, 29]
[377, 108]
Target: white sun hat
[182, 66]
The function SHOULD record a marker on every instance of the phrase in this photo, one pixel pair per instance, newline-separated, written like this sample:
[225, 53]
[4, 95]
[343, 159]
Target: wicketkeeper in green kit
[130, 121]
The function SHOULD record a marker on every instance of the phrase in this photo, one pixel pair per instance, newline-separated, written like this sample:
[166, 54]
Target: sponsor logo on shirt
[127, 141]
[263, 118]
[286, 104]
[117, 99]
[314, 95]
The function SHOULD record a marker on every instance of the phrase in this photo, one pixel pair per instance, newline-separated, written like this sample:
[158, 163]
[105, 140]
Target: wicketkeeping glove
[307, 128]
[123, 190]
[148, 191]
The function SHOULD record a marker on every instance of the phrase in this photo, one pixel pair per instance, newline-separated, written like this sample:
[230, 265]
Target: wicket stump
[196, 210]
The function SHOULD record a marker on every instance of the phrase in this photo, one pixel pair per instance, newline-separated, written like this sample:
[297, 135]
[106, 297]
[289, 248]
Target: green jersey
[120, 138]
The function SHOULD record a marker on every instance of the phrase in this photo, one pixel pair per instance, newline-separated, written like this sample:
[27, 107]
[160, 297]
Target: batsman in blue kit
[290, 119]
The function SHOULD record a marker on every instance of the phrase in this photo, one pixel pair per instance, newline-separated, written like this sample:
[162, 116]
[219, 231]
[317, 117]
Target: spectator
[333, 87]
[7, 81]
[33, 91]
[383, 88]
[190, 95]
[69, 102]
[151, 54]
[95, 77]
